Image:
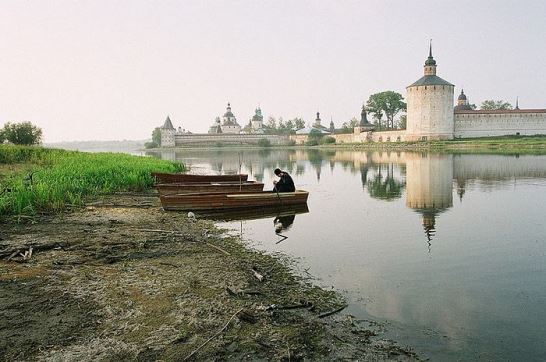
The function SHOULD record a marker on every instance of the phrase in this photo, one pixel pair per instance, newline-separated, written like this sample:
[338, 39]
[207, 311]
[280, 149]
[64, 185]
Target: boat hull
[238, 200]
[207, 187]
[182, 177]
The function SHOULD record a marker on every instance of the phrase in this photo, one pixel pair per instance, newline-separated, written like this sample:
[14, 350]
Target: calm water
[449, 249]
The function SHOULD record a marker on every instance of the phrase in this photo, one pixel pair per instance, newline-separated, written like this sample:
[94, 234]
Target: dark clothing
[285, 184]
[285, 221]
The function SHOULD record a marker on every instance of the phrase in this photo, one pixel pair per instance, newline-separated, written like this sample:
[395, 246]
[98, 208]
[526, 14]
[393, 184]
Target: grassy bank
[35, 179]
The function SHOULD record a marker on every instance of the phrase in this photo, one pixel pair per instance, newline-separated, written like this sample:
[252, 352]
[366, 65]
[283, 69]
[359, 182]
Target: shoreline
[122, 278]
[531, 144]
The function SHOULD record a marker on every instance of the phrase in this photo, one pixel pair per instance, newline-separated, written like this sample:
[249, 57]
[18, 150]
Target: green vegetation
[156, 139]
[386, 103]
[327, 140]
[280, 127]
[491, 104]
[24, 133]
[50, 179]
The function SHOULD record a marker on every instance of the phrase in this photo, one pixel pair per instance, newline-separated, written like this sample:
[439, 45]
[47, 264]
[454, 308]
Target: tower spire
[517, 102]
[430, 63]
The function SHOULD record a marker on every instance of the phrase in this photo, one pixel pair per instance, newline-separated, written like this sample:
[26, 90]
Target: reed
[60, 177]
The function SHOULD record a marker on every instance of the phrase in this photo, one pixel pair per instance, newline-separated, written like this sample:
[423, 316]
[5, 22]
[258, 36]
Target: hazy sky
[93, 70]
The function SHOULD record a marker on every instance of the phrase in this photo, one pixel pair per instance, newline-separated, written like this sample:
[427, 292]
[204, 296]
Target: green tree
[348, 127]
[272, 123]
[491, 104]
[314, 137]
[290, 126]
[156, 136]
[402, 123]
[248, 127]
[388, 103]
[299, 123]
[24, 133]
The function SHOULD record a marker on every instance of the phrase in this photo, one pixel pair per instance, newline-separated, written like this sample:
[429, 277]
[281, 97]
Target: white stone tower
[167, 134]
[430, 106]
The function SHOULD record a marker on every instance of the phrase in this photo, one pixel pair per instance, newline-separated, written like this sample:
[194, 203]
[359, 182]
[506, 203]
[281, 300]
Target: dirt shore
[121, 279]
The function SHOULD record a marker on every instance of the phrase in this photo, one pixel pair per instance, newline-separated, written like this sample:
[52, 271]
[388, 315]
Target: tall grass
[61, 177]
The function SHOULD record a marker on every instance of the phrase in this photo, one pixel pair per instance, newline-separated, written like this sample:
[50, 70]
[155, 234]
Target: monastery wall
[383, 136]
[469, 124]
[182, 140]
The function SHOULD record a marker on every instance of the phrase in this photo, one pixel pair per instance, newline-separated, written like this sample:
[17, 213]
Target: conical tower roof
[168, 124]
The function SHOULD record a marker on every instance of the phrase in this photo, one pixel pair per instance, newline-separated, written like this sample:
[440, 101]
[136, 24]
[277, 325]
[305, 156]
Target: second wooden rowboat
[225, 187]
[237, 200]
[161, 177]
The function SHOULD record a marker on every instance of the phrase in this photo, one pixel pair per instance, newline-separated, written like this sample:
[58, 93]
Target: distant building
[227, 125]
[318, 125]
[168, 133]
[431, 115]
[257, 121]
[364, 125]
[462, 103]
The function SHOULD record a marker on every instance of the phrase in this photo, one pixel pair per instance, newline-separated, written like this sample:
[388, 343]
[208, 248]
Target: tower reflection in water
[429, 187]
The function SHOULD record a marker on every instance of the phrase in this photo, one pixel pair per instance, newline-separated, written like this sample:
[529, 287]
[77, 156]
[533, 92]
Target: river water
[448, 249]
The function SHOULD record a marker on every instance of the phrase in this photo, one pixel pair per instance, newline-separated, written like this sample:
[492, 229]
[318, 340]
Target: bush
[312, 142]
[327, 140]
[150, 145]
[264, 142]
[291, 143]
[24, 133]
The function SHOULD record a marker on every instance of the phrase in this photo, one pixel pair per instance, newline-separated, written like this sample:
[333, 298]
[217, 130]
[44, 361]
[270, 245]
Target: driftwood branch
[217, 248]
[14, 254]
[333, 311]
[257, 275]
[215, 335]
[35, 248]
[302, 304]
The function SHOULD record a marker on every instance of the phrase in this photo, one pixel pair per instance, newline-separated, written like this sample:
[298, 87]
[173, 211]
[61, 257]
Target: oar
[278, 196]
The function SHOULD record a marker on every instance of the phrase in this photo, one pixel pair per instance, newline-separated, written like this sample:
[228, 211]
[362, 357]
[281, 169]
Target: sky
[114, 70]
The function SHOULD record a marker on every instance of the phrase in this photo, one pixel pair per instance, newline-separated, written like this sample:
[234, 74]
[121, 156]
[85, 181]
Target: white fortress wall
[228, 138]
[470, 124]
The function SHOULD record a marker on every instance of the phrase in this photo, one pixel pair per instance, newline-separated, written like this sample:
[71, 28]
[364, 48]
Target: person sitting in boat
[285, 184]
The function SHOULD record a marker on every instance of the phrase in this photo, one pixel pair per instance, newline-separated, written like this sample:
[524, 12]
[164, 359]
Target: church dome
[228, 112]
[462, 96]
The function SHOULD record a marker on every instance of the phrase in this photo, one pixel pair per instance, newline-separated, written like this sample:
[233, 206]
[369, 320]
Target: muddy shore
[121, 279]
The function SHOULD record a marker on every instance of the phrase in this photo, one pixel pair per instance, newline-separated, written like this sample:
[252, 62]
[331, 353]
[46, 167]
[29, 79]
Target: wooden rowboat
[182, 177]
[225, 187]
[236, 200]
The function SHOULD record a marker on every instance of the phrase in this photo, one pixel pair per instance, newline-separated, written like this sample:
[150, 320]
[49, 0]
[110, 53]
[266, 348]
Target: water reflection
[274, 212]
[429, 188]
[477, 285]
